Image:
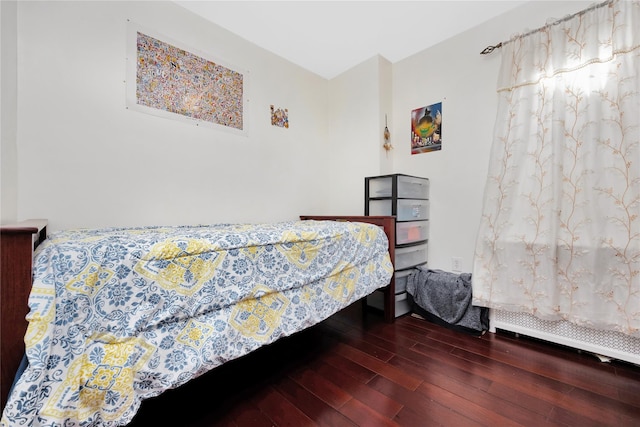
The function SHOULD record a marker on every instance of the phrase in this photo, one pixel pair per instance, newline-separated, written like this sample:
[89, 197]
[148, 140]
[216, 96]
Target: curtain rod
[490, 49]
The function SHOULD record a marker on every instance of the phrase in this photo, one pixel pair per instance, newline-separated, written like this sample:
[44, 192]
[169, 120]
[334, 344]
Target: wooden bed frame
[17, 243]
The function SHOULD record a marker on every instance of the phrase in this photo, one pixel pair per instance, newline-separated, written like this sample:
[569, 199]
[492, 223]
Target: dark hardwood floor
[356, 370]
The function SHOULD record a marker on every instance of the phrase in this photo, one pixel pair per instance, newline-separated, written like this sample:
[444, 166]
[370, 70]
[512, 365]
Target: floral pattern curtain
[560, 232]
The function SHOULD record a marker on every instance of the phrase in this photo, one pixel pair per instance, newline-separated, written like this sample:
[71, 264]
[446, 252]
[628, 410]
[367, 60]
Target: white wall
[84, 160]
[357, 101]
[454, 73]
[8, 113]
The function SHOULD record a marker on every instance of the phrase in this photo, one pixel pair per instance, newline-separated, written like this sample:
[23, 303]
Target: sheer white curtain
[560, 231]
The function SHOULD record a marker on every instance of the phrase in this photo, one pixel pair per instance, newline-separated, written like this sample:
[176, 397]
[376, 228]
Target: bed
[119, 315]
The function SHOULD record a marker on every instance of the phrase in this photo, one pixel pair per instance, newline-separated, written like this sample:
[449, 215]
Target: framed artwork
[279, 117]
[169, 80]
[426, 129]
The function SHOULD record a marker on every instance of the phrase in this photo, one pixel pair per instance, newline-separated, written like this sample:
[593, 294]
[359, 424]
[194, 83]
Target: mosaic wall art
[175, 81]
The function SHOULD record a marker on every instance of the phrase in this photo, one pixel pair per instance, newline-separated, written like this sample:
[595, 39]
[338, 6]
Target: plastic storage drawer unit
[406, 198]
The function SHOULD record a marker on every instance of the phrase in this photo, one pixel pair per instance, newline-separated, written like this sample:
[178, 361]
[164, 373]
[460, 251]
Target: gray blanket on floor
[447, 296]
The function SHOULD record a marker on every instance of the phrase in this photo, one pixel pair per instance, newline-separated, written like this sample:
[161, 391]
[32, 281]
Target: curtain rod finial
[490, 49]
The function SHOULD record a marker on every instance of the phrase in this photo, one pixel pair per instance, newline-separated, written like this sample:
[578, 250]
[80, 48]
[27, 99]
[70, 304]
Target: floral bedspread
[120, 315]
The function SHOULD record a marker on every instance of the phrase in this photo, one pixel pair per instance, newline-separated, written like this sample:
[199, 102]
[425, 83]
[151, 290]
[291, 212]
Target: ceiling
[330, 37]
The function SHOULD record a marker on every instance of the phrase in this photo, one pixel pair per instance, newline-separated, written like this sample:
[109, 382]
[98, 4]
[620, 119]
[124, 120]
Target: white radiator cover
[605, 343]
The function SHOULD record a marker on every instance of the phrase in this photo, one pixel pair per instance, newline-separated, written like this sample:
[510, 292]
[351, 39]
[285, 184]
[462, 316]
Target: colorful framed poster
[426, 129]
[169, 80]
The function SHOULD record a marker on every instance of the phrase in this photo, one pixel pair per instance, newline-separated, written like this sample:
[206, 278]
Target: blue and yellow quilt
[120, 315]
